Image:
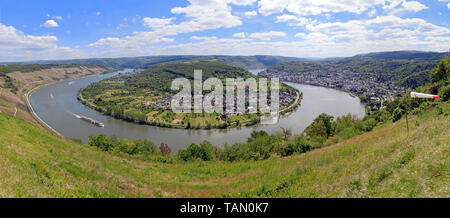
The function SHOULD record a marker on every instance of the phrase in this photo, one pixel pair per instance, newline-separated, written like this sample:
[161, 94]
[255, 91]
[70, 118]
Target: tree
[256, 134]
[445, 93]
[442, 71]
[317, 128]
[165, 149]
[286, 133]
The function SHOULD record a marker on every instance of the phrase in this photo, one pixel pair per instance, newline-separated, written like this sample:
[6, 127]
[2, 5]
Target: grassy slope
[36, 163]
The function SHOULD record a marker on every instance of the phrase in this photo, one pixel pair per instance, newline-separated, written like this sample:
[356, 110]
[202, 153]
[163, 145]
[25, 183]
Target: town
[364, 85]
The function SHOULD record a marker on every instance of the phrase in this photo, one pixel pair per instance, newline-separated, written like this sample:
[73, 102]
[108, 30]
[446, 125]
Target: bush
[101, 141]
[444, 93]
[300, 145]
[397, 114]
[349, 132]
[367, 125]
[206, 151]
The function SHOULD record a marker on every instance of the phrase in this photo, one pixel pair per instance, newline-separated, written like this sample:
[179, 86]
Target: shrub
[206, 151]
[101, 141]
[300, 145]
[397, 114]
[445, 93]
[349, 132]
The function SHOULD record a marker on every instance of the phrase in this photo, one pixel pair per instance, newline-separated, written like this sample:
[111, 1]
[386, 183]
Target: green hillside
[382, 163]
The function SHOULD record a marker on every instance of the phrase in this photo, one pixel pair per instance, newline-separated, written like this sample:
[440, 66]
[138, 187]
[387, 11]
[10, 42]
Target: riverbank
[353, 95]
[15, 100]
[58, 113]
[30, 108]
[33, 113]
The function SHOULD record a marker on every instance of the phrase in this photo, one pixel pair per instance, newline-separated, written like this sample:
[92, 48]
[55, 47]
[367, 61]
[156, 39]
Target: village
[286, 98]
[363, 85]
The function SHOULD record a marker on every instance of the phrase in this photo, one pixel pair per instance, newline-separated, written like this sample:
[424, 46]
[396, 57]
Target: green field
[385, 162]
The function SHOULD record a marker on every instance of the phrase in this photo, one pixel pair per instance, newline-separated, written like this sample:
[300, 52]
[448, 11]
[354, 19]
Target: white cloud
[57, 17]
[202, 15]
[16, 46]
[382, 33]
[402, 6]
[157, 23]
[300, 35]
[267, 35]
[50, 24]
[372, 12]
[251, 13]
[242, 2]
[98, 13]
[314, 7]
[202, 38]
[239, 35]
[299, 21]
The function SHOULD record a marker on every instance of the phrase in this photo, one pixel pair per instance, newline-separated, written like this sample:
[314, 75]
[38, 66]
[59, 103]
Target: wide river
[57, 103]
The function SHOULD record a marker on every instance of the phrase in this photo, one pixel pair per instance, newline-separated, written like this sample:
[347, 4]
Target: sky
[51, 30]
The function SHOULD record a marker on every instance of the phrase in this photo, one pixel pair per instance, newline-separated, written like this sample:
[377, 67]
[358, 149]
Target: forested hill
[411, 55]
[246, 62]
[402, 68]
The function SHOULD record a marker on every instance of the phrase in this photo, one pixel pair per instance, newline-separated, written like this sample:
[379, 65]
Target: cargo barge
[90, 120]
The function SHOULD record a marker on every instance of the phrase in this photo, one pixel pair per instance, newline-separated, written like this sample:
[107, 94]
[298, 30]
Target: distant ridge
[246, 62]
[422, 55]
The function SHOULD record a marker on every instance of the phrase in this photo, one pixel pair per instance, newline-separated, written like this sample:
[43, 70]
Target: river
[56, 104]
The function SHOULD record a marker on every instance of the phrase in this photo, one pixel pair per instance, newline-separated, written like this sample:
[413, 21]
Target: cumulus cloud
[202, 38]
[16, 46]
[50, 24]
[251, 13]
[314, 7]
[382, 33]
[299, 21]
[157, 23]
[239, 35]
[318, 38]
[202, 15]
[267, 35]
[242, 2]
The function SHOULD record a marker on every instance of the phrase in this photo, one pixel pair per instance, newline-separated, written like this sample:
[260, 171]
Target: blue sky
[36, 30]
